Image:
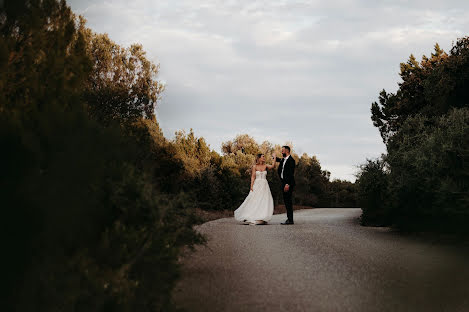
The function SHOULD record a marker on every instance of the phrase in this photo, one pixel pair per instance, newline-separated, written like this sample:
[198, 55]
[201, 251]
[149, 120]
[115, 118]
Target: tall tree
[243, 143]
[424, 125]
[85, 226]
[122, 86]
[411, 98]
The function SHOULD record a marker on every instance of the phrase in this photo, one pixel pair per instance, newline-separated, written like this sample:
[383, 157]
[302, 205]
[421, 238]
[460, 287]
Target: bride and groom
[258, 207]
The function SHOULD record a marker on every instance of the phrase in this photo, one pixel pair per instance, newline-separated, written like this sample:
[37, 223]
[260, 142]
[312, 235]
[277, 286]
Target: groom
[286, 172]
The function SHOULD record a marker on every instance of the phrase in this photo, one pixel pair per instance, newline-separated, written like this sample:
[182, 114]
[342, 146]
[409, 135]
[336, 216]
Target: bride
[258, 207]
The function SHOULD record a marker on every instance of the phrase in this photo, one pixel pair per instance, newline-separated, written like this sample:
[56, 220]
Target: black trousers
[287, 199]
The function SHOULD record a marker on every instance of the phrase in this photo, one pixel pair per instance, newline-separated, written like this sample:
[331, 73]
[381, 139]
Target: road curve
[325, 262]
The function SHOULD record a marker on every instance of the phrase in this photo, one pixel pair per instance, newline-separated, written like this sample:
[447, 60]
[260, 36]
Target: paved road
[325, 262]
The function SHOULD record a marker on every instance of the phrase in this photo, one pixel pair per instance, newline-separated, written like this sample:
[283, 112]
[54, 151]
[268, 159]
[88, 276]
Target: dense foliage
[423, 180]
[96, 204]
[222, 181]
[93, 217]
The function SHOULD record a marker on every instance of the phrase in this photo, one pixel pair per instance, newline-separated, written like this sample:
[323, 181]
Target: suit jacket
[288, 172]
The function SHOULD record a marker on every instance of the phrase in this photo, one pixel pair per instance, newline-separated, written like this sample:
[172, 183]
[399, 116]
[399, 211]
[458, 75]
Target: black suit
[288, 178]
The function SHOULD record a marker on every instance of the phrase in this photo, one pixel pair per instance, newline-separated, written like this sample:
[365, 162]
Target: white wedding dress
[259, 204]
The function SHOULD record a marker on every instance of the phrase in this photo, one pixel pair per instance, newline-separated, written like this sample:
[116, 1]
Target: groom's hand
[286, 188]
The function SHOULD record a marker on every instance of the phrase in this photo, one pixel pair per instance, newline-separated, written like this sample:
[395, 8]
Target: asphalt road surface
[325, 262]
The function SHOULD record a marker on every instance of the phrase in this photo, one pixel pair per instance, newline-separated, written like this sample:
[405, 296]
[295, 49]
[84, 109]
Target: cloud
[300, 71]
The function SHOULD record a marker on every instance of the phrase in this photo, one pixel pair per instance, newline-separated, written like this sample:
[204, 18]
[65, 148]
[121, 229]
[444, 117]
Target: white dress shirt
[283, 167]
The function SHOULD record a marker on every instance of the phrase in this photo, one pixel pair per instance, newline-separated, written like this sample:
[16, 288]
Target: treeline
[222, 181]
[422, 183]
[96, 203]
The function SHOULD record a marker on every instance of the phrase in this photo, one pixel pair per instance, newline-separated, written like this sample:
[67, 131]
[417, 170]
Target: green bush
[373, 196]
[342, 194]
[93, 215]
[423, 181]
[429, 176]
[425, 128]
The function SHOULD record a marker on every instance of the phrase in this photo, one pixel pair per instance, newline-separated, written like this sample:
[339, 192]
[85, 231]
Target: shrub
[429, 174]
[373, 196]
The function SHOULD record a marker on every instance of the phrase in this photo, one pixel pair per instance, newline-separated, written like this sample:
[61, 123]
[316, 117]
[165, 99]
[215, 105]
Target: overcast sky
[299, 71]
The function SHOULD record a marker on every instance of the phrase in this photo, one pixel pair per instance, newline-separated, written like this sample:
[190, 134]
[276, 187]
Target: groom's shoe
[288, 222]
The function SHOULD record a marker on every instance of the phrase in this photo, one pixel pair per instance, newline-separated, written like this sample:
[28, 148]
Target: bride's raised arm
[273, 162]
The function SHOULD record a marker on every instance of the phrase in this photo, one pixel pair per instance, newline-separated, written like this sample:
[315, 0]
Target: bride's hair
[258, 157]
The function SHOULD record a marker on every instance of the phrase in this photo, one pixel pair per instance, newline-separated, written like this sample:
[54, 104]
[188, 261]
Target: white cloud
[304, 71]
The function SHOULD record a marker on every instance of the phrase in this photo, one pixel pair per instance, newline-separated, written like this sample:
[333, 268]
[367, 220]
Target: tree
[373, 193]
[410, 99]
[42, 57]
[312, 182]
[122, 86]
[194, 152]
[242, 143]
[422, 181]
[95, 229]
